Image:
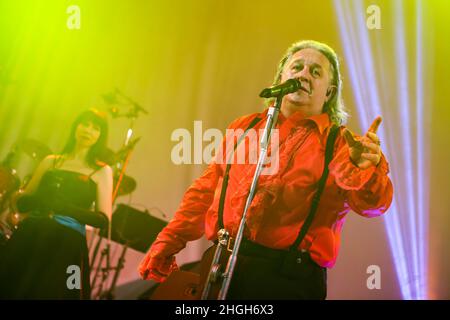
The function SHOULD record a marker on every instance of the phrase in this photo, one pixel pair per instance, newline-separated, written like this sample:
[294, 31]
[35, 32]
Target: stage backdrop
[207, 60]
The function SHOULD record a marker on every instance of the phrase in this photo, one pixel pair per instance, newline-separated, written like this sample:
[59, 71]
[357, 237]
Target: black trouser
[257, 276]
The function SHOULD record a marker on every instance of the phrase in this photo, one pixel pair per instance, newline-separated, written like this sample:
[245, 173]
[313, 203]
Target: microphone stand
[128, 145]
[109, 294]
[122, 165]
[272, 117]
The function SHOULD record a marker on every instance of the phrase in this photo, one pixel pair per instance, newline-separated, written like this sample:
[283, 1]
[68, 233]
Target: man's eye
[297, 67]
[315, 73]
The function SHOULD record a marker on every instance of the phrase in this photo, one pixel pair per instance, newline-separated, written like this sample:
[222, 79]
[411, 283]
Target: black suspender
[323, 179]
[223, 192]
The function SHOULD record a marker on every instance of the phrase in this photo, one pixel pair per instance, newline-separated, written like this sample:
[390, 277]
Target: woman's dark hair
[98, 149]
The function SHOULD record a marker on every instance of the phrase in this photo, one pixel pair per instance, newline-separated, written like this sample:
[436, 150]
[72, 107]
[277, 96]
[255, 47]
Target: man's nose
[302, 78]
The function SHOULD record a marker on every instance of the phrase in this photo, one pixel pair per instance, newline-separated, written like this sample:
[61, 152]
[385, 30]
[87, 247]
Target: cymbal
[108, 156]
[9, 181]
[115, 158]
[127, 185]
[35, 149]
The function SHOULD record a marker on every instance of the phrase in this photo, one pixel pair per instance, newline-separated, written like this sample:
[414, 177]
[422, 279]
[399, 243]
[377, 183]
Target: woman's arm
[104, 191]
[104, 179]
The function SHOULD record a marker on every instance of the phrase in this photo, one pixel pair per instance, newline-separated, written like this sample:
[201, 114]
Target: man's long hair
[334, 106]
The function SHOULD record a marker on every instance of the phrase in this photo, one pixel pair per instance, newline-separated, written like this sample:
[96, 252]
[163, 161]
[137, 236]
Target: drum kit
[10, 183]
[130, 228]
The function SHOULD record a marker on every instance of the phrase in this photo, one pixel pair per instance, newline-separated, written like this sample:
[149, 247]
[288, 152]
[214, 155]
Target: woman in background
[66, 192]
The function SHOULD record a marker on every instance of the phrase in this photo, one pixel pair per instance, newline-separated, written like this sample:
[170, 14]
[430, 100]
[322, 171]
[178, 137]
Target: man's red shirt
[283, 200]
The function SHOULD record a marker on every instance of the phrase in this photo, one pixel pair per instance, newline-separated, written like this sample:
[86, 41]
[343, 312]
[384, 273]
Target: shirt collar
[322, 121]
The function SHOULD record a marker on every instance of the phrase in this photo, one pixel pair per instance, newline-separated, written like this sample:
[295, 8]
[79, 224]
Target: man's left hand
[365, 151]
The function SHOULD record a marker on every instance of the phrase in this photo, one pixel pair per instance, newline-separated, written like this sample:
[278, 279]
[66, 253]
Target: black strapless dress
[45, 253]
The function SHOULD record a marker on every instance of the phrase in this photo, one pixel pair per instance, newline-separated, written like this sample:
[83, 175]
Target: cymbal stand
[109, 294]
[128, 147]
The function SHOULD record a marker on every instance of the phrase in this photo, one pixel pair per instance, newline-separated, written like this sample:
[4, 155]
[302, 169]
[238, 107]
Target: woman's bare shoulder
[105, 172]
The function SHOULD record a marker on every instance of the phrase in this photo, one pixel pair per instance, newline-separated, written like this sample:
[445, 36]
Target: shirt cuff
[348, 176]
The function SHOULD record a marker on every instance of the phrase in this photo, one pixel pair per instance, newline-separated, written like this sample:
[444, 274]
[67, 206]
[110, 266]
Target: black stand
[272, 117]
[116, 98]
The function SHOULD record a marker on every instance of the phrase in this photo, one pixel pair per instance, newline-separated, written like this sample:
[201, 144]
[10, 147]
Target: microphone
[289, 86]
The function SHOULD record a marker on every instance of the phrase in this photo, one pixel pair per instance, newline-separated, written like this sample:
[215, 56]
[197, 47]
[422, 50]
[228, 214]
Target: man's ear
[330, 92]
